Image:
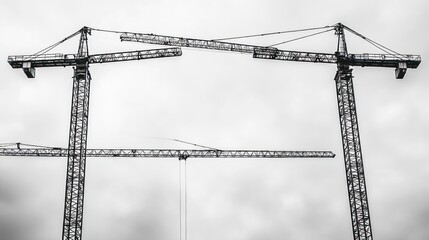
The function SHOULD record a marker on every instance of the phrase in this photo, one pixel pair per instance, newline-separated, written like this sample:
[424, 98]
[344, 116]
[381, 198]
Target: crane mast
[76, 157]
[356, 186]
[355, 177]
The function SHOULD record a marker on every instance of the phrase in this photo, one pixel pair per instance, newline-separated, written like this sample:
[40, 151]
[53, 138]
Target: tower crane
[356, 186]
[77, 151]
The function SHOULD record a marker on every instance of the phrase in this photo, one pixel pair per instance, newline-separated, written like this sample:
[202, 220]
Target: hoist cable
[186, 205]
[180, 200]
[183, 209]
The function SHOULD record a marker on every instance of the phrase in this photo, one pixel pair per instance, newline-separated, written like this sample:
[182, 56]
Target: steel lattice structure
[358, 200]
[77, 151]
[76, 157]
[356, 186]
[77, 144]
[166, 153]
[363, 60]
[355, 176]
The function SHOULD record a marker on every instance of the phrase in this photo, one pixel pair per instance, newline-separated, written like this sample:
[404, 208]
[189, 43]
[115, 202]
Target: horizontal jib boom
[63, 60]
[135, 55]
[363, 60]
[166, 153]
[44, 60]
[380, 60]
[186, 42]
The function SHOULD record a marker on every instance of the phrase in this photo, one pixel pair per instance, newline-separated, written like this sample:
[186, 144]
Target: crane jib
[166, 153]
[29, 62]
[363, 60]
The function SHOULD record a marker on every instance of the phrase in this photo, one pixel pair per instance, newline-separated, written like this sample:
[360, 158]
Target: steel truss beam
[64, 60]
[363, 60]
[355, 176]
[76, 154]
[166, 153]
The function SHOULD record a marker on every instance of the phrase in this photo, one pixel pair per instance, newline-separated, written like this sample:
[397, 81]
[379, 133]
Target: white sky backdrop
[222, 100]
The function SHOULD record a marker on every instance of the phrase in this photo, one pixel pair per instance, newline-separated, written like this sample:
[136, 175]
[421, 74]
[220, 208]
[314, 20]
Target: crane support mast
[76, 155]
[355, 176]
[166, 153]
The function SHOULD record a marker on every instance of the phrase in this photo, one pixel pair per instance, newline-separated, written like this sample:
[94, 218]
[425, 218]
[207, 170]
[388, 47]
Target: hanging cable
[183, 200]
[108, 31]
[186, 206]
[375, 44]
[271, 33]
[19, 144]
[7, 144]
[295, 39]
[193, 144]
[231, 38]
[180, 199]
[47, 49]
[185, 142]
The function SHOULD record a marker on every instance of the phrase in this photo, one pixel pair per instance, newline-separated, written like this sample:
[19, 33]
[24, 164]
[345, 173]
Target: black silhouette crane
[76, 151]
[356, 186]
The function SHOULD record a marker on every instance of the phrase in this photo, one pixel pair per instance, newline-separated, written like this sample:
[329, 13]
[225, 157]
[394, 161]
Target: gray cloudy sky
[223, 100]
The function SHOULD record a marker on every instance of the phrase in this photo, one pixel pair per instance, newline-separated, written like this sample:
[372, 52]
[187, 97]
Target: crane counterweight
[400, 70]
[29, 70]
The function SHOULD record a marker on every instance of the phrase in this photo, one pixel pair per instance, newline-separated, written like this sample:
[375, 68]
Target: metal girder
[43, 60]
[187, 42]
[362, 60]
[135, 55]
[275, 54]
[379, 60]
[166, 153]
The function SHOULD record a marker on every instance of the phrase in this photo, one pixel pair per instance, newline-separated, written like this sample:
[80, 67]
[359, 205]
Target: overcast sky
[221, 100]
